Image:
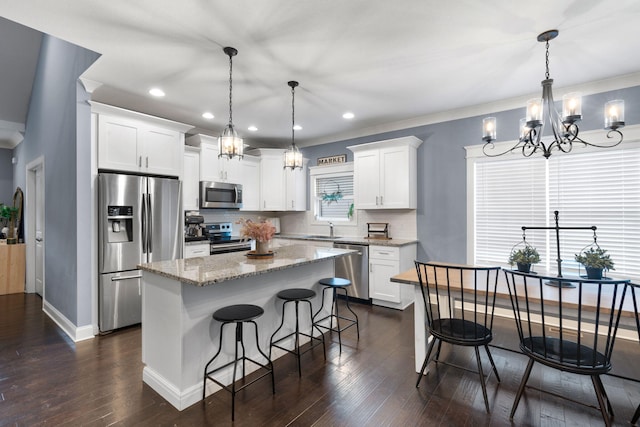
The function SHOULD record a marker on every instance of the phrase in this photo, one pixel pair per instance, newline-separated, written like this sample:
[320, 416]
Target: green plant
[527, 255]
[6, 213]
[595, 258]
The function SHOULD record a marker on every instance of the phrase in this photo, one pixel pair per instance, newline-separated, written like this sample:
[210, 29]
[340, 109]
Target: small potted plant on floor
[595, 260]
[523, 258]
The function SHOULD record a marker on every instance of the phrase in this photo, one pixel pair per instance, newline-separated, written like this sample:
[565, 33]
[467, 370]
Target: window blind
[330, 205]
[600, 188]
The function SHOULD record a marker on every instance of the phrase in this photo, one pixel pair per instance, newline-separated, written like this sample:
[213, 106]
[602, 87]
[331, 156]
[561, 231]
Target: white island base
[179, 335]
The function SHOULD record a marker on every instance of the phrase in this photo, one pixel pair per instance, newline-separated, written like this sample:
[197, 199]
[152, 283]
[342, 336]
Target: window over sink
[332, 193]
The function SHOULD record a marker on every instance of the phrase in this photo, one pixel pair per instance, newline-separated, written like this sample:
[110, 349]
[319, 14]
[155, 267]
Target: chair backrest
[463, 292]
[567, 323]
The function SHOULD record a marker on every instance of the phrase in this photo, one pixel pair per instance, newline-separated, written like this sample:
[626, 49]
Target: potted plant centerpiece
[595, 260]
[260, 231]
[524, 257]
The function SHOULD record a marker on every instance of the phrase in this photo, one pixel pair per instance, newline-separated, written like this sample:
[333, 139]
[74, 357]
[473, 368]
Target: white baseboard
[75, 333]
[180, 400]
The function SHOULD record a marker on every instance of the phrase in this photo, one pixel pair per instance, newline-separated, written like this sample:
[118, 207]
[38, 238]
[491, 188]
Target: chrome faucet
[330, 229]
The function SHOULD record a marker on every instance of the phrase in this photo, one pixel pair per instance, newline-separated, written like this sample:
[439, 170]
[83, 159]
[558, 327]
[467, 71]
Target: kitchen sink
[315, 236]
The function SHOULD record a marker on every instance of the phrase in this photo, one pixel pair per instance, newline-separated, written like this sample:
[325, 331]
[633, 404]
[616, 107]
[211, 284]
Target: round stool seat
[238, 313]
[335, 282]
[296, 294]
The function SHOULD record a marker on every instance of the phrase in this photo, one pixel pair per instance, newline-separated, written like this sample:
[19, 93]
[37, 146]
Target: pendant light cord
[230, 90]
[293, 115]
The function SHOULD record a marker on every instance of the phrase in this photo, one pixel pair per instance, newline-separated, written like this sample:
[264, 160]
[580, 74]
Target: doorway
[35, 214]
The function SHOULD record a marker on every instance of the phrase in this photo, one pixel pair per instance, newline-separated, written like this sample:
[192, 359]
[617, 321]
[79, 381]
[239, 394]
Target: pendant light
[229, 144]
[293, 156]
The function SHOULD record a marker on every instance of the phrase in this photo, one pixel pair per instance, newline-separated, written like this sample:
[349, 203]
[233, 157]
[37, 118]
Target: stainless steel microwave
[220, 195]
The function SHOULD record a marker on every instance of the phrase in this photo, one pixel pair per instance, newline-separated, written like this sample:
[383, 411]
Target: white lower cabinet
[384, 263]
[196, 250]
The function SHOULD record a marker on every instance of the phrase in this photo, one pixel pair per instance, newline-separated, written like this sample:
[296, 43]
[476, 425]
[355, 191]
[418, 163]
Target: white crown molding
[590, 88]
[11, 134]
[89, 85]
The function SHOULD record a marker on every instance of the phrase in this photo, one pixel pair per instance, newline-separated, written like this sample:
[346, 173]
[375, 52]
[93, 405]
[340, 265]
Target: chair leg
[268, 358]
[297, 341]
[426, 361]
[438, 351]
[601, 394]
[634, 420]
[523, 383]
[334, 306]
[482, 382]
[346, 297]
[206, 367]
[493, 365]
[313, 325]
[277, 330]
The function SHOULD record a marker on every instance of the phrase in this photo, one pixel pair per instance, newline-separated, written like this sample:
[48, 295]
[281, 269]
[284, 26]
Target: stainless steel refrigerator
[139, 222]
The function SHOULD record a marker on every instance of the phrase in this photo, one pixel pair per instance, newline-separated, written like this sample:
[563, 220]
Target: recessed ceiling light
[207, 115]
[297, 127]
[252, 128]
[156, 92]
[348, 115]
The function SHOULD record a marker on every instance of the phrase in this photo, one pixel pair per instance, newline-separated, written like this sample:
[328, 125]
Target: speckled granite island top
[208, 270]
[350, 240]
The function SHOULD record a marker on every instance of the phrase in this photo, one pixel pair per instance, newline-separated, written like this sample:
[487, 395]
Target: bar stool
[336, 284]
[238, 314]
[297, 295]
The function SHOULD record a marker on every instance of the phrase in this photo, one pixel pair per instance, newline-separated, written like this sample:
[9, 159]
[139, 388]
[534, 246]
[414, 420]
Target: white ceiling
[394, 64]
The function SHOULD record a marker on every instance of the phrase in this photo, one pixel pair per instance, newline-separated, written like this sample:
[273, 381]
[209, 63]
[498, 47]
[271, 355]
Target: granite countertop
[350, 240]
[208, 270]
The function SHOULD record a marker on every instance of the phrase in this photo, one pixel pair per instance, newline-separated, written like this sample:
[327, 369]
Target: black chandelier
[541, 112]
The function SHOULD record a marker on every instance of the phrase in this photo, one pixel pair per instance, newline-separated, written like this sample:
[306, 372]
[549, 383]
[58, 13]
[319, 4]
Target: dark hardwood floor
[46, 379]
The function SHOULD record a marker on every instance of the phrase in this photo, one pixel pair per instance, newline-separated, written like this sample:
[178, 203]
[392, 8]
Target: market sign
[332, 160]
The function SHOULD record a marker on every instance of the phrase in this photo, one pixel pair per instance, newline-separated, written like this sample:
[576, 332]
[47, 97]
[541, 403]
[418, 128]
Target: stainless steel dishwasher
[355, 267]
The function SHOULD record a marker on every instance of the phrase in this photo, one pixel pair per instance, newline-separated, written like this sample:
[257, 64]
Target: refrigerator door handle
[149, 224]
[143, 228]
[120, 278]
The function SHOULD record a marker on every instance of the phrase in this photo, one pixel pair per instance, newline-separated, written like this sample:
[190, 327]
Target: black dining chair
[459, 304]
[569, 324]
[634, 287]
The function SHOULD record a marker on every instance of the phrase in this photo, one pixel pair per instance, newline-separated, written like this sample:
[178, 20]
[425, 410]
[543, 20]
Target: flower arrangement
[260, 231]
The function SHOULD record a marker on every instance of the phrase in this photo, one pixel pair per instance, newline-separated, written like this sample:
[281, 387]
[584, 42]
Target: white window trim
[328, 172]
[475, 154]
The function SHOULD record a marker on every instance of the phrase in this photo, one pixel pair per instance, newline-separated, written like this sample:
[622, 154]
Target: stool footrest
[352, 322]
[293, 351]
[228, 387]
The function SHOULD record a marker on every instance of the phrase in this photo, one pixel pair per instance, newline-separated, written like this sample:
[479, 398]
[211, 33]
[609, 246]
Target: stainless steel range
[221, 241]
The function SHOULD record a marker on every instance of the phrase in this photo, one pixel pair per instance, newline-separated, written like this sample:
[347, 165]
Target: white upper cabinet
[281, 190]
[191, 179]
[296, 188]
[385, 174]
[250, 183]
[133, 142]
[213, 168]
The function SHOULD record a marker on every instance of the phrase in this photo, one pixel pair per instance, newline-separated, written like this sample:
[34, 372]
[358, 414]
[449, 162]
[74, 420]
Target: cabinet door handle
[370, 268]
[147, 161]
[293, 204]
[264, 204]
[381, 203]
[140, 162]
[376, 200]
[226, 176]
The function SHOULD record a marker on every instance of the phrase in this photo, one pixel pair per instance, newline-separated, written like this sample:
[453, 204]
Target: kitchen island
[179, 335]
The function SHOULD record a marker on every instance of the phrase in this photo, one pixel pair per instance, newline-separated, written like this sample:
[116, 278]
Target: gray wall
[54, 126]
[6, 176]
[442, 191]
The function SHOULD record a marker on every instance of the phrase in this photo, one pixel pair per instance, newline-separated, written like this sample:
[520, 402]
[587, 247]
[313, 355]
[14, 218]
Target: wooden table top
[568, 296]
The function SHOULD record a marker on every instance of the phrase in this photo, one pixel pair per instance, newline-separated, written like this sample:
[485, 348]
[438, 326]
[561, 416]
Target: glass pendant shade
[229, 144]
[293, 158]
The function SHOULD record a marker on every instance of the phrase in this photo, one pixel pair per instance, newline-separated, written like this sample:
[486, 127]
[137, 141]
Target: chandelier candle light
[564, 129]
[293, 156]
[229, 144]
